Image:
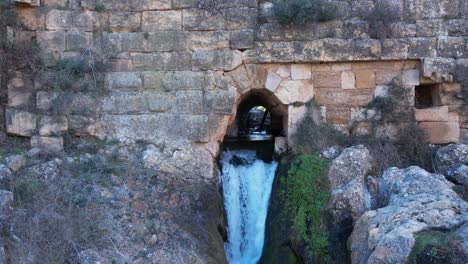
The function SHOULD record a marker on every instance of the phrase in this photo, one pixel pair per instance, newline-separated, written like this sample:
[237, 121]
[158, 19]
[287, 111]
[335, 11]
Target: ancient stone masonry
[172, 70]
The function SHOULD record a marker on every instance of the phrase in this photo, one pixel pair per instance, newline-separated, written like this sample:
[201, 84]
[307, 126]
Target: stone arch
[259, 97]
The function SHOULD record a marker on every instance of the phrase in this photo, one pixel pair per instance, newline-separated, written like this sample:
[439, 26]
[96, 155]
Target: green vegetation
[306, 195]
[299, 12]
[437, 247]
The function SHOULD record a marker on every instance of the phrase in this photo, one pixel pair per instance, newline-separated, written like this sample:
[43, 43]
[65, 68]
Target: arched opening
[260, 115]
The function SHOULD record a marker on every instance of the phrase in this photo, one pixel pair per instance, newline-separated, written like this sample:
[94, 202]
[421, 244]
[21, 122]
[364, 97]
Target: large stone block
[327, 80]
[300, 72]
[348, 80]
[435, 114]
[52, 40]
[161, 20]
[411, 77]
[242, 39]
[189, 102]
[21, 123]
[431, 28]
[177, 61]
[144, 61]
[365, 78]
[441, 132]
[216, 59]
[357, 97]
[160, 101]
[422, 47]
[52, 125]
[155, 80]
[209, 40]
[241, 18]
[198, 19]
[451, 47]
[31, 18]
[185, 80]
[166, 41]
[125, 21]
[295, 91]
[78, 41]
[153, 127]
[144, 5]
[59, 19]
[123, 80]
[394, 49]
[125, 103]
[220, 101]
[439, 69]
[112, 43]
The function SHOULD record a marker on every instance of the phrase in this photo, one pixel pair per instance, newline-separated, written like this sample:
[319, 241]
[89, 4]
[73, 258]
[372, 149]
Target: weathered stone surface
[348, 80]
[218, 59]
[161, 20]
[29, 2]
[436, 113]
[189, 102]
[196, 19]
[59, 19]
[19, 122]
[418, 201]
[293, 91]
[15, 162]
[242, 39]
[78, 41]
[410, 77]
[52, 125]
[449, 156]
[300, 72]
[125, 21]
[441, 132]
[123, 80]
[125, 103]
[53, 144]
[365, 78]
[52, 40]
[347, 176]
[439, 69]
[272, 81]
[458, 174]
[220, 101]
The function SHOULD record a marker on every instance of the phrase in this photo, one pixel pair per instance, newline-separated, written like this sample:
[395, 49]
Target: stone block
[55, 3]
[439, 69]
[422, 47]
[196, 19]
[209, 40]
[84, 21]
[143, 61]
[238, 17]
[327, 80]
[53, 144]
[59, 19]
[19, 97]
[394, 49]
[434, 114]
[220, 101]
[177, 61]
[300, 72]
[45, 100]
[431, 28]
[189, 102]
[403, 30]
[216, 59]
[365, 78]
[31, 18]
[125, 103]
[272, 82]
[78, 41]
[411, 77]
[441, 132]
[381, 91]
[52, 125]
[123, 80]
[338, 115]
[348, 80]
[217, 126]
[356, 29]
[386, 77]
[52, 40]
[21, 123]
[365, 49]
[166, 41]
[112, 43]
[161, 20]
[242, 39]
[295, 91]
[451, 47]
[125, 21]
[160, 102]
[185, 80]
[155, 80]
[176, 4]
[357, 97]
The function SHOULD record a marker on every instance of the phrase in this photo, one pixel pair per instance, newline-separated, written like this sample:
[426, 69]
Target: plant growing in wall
[299, 12]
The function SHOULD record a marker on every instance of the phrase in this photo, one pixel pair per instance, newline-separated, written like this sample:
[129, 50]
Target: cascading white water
[247, 184]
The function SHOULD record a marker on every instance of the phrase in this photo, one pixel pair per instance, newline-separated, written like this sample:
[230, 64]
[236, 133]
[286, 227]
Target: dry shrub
[55, 219]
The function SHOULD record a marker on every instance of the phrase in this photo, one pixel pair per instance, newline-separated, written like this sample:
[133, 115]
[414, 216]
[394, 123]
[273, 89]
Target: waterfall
[247, 184]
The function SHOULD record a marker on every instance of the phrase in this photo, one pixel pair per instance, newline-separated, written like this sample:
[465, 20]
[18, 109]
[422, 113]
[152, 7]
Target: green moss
[306, 196]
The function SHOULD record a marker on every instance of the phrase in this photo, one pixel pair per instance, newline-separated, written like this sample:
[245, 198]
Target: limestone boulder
[347, 176]
[451, 156]
[417, 201]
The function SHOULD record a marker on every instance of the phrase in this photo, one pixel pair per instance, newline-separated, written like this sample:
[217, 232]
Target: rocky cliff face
[133, 212]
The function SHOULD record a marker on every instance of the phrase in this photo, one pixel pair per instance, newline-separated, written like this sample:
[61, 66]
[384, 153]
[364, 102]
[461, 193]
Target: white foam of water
[247, 189]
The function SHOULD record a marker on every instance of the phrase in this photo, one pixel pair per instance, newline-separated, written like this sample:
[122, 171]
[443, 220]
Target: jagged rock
[15, 162]
[449, 156]
[458, 174]
[33, 153]
[417, 201]
[347, 175]
[332, 152]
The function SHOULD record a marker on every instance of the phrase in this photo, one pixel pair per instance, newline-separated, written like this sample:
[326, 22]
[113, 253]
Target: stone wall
[172, 71]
